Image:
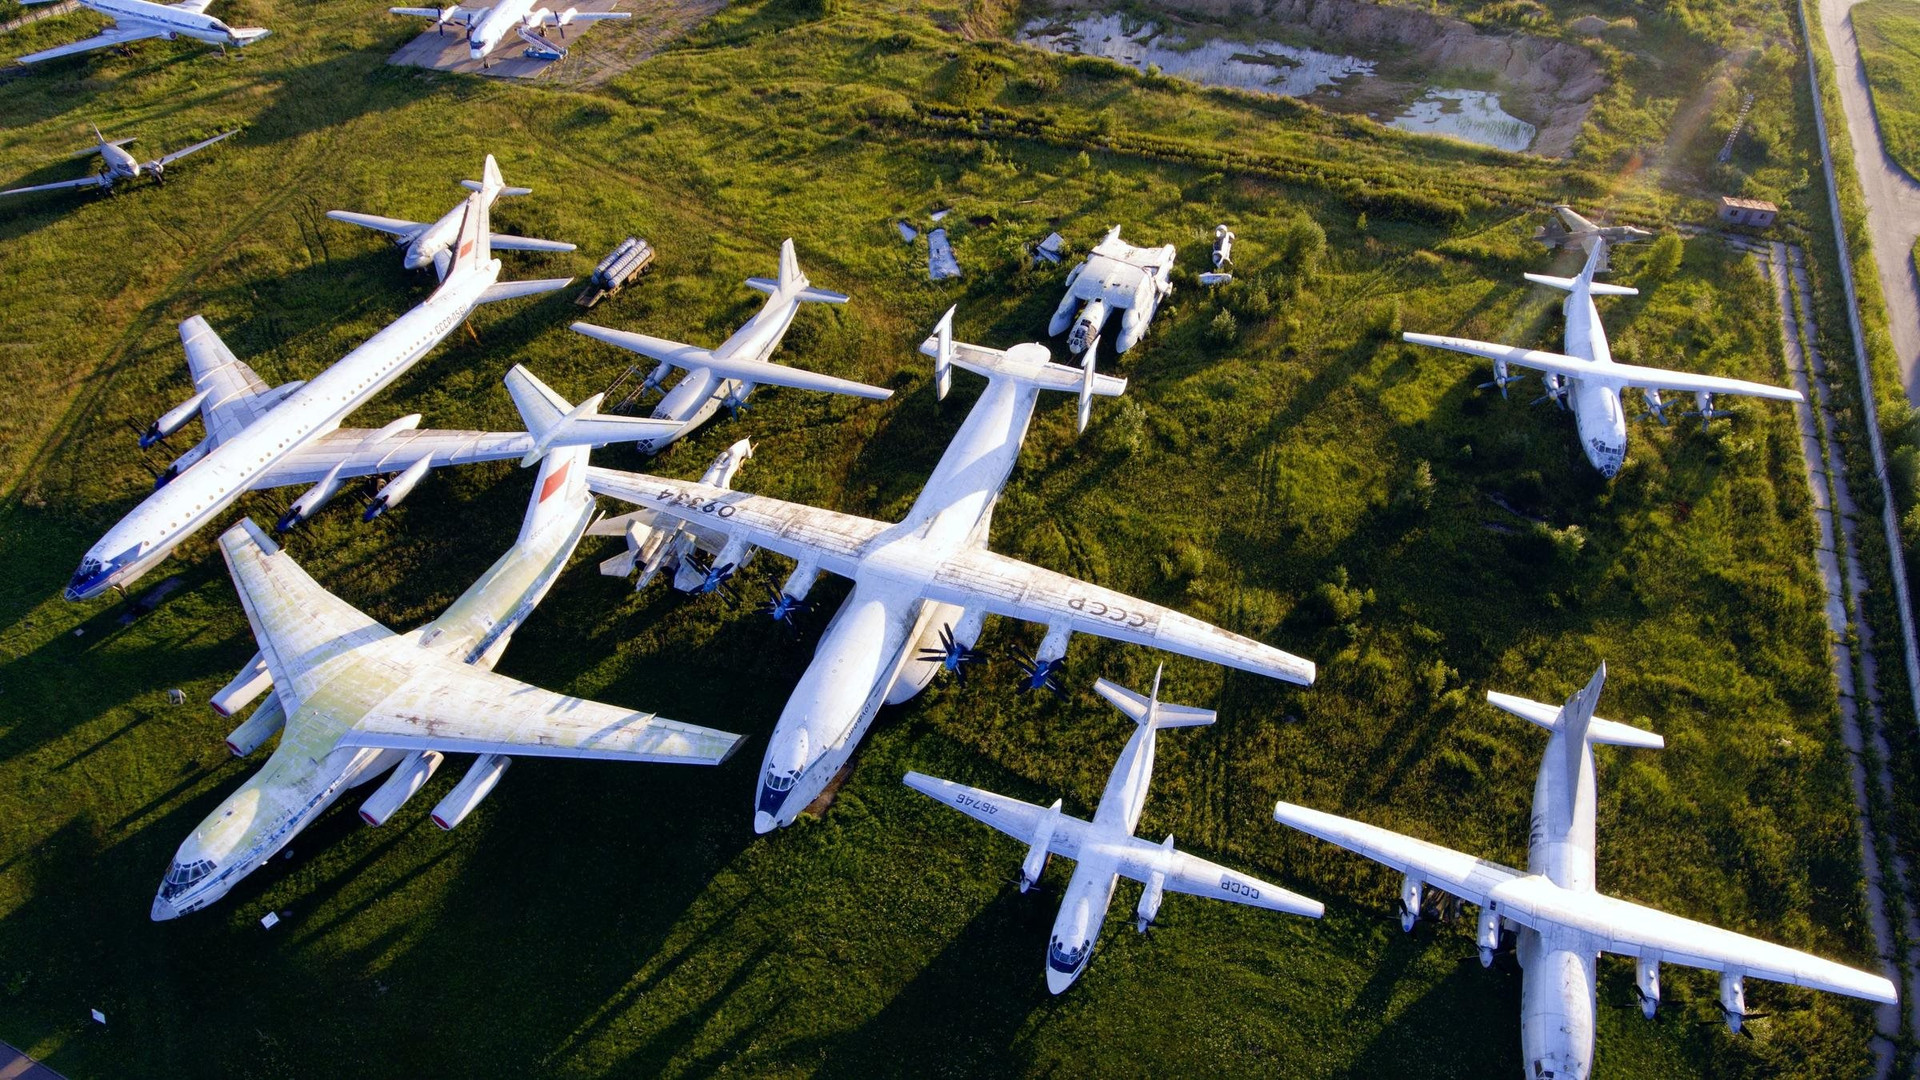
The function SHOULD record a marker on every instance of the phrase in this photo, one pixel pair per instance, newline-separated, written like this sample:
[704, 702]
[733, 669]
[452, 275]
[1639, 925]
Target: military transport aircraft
[357, 700]
[1587, 380]
[1563, 923]
[1105, 849]
[120, 165]
[923, 586]
[431, 244]
[259, 437]
[487, 27]
[726, 376]
[138, 20]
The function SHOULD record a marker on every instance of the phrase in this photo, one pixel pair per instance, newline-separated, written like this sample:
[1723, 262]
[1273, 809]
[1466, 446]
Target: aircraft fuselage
[700, 393]
[1558, 985]
[1597, 414]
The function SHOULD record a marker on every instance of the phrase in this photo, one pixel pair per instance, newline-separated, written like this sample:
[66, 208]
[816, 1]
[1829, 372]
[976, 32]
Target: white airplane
[290, 434]
[137, 20]
[1571, 229]
[120, 165]
[1587, 376]
[1563, 923]
[431, 244]
[728, 375]
[487, 27]
[1115, 275]
[1105, 849]
[654, 545]
[923, 586]
[357, 700]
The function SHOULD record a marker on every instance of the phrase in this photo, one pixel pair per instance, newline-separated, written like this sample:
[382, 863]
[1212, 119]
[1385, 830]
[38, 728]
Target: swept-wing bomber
[923, 586]
[1562, 922]
[120, 165]
[138, 20]
[427, 244]
[357, 700]
[1105, 849]
[1586, 379]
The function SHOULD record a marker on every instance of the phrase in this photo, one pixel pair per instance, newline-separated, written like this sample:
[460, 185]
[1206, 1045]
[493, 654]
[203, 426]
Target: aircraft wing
[831, 540]
[1004, 586]
[694, 358]
[450, 706]
[97, 180]
[1020, 820]
[1623, 375]
[396, 226]
[1629, 929]
[465, 16]
[502, 242]
[233, 390]
[196, 147]
[543, 17]
[298, 625]
[371, 452]
[125, 32]
[1464, 876]
[1196, 876]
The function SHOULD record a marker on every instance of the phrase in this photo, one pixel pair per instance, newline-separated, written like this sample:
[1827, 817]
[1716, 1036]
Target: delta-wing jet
[1563, 923]
[1105, 849]
[138, 20]
[290, 434]
[487, 27]
[120, 165]
[922, 586]
[425, 244]
[1586, 379]
[727, 376]
[355, 699]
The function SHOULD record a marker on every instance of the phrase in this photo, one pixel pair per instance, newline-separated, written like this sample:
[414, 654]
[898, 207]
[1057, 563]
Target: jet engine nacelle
[481, 778]
[309, 504]
[1646, 983]
[247, 685]
[408, 777]
[264, 724]
[397, 489]
[1487, 935]
[1410, 888]
[1733, 999]
[172, 420]
[184, 462]
[1036, 861]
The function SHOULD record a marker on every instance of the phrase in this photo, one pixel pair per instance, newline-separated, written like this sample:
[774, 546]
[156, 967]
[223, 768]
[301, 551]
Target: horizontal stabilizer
[1594, 288]
[513, 290]
[759, 372]
[1030, 363]
[475, 185]
[1606, 732]
[1164, 714]
[95, 148]
[554, 422]
[807, 295]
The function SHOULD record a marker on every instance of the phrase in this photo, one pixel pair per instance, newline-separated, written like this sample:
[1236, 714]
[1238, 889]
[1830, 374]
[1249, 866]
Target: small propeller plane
[138, 20]
[357, 700]
[487, 27]
[1106, 849]
[431, 244]
[727, 376]
[1586, 379]
[120, 165]
[924, 583]
[1563, 923]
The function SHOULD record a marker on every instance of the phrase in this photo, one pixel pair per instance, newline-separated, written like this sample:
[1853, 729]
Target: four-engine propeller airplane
[926, 582]
[1105, 849]
[120, 164]
[1586, 375]
[1563, 923]
[138, 20]
[726, 376]
[357, 700]
[431, 244]
[487, 27]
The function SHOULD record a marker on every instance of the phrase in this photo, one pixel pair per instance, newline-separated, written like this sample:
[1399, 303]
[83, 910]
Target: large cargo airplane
[266, 437]
[427, 244]
[923, 586]
[138, 20]
[1563, 922]
[487, 27]
[357, 700]
[726, 376]
[1105, 849]
[120, 165]
[1586, 378]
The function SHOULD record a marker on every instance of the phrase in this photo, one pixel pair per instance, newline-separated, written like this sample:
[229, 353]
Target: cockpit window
[182, 875]
[781, 781]
[1066, 959]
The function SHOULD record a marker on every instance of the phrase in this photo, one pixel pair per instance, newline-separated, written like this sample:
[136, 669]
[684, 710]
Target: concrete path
[446, 49]
[1839, 559]
[1893, 197]
[15, 1065]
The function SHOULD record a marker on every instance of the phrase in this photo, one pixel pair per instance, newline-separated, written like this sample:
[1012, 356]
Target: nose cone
[1058, 981]
[763, 822]
[163, 910]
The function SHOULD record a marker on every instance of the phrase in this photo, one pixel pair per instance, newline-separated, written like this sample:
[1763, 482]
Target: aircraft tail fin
[554, 423]
[1596, 257]
[792, 283]
[1576, 718]
[1150, 709]
[1030, 363]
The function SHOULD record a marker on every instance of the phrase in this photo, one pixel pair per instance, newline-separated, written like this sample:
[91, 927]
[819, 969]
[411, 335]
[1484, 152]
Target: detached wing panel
[1196, 876]
[1020, 820]
[1469, 878]
[359, 453]
[456, 707]
[230, 385]
[299, 626]
[1009, 587]
[830, 540]
[126, 32]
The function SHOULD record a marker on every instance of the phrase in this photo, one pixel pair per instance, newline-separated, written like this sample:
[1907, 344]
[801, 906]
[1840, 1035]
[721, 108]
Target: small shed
[1755, 212]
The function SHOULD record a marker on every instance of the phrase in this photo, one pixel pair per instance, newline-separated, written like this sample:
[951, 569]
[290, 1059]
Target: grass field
[1310, 481]
[1889, 36]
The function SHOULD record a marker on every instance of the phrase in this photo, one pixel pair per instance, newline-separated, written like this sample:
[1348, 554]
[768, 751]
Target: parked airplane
[1105, 849]
[923, 586]
[357, 700]
[1563, 923]
[1587, 376]
[432, 244]
[261, 437]
[1115, 275]
[654, 545]
[137, 20]
[120, 165]
[487, 27]
[1573, 230]
[728, 375]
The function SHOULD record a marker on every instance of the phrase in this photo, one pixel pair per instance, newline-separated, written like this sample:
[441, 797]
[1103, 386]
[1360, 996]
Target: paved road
[15, 1065]
[1893, 197]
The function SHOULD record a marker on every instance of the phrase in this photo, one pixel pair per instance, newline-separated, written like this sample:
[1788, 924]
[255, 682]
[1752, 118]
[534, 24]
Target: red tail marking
[464, 248]
[553, 482]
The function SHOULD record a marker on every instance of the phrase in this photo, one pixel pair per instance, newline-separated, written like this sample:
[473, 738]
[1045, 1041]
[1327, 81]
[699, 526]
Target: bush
[1663, 258]
[1223, 329]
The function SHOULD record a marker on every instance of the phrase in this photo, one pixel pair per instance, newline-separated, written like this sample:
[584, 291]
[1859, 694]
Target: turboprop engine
[1410, 888]
[1036, 861]
[1152, 893]
[737, 400]
[1733, 999]
[172, 420]
[1646, 985]
[1487, 935]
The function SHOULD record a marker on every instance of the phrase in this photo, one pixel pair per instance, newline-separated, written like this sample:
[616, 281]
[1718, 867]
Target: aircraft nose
[163, 910]
[1058, 981]
[763, 822]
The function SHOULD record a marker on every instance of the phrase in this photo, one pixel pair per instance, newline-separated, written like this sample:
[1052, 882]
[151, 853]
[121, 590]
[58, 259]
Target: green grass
[1889, 36]
[597, 919]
